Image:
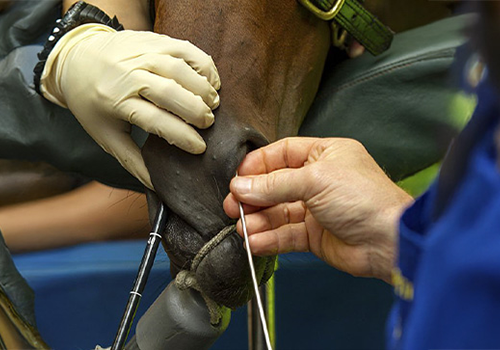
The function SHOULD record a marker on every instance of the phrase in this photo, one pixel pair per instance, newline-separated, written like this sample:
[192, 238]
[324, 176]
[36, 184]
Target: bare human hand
[327, 196]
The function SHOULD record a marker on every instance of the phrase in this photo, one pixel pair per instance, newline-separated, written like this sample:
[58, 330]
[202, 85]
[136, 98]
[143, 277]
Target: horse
[270, 56]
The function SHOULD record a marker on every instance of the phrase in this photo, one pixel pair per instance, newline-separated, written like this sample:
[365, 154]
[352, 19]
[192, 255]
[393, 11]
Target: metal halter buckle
[324, 15]
[339, 36]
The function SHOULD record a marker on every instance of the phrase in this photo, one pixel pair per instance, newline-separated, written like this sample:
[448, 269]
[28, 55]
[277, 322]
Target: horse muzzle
[199, 237]
[217, 262]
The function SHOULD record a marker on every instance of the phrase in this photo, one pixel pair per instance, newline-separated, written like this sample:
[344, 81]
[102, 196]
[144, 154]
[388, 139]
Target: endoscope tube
[147, 261]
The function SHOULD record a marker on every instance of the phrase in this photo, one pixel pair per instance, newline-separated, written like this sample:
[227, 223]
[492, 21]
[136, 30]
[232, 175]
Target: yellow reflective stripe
[402, 286]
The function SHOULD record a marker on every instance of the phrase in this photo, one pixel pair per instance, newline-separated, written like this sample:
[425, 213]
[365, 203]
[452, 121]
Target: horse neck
[270, 55]
[404, 15]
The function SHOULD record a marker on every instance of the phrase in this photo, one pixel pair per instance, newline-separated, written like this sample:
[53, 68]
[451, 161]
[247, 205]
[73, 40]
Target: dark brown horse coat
[270, 55]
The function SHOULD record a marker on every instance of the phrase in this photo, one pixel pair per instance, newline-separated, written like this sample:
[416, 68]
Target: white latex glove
[110, 80]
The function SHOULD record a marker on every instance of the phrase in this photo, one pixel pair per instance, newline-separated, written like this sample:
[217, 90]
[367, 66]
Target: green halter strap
[356, 20]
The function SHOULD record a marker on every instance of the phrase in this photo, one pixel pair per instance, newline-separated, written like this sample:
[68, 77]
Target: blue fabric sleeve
[456, 300]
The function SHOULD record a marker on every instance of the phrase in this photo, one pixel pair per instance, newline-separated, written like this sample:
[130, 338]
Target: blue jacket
[447, 279]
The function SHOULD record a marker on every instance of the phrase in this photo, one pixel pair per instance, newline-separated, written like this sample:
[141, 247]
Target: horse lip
[211, 244]
[183, 240]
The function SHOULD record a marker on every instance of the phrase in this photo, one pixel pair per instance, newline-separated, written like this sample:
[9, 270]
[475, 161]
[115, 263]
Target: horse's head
[270, 56]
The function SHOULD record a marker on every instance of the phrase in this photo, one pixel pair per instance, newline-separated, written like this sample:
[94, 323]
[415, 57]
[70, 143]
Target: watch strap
[78, 14]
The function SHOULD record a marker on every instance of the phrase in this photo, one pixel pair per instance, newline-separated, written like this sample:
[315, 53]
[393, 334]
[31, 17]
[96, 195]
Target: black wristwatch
[78, 14]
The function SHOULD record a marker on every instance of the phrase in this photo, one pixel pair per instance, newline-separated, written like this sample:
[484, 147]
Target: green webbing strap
[356, 20]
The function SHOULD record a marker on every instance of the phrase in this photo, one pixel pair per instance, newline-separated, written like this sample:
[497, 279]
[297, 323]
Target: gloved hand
[110, 80]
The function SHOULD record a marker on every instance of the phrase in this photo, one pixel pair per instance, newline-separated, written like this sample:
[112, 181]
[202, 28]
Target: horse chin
[222, 272]
[193, 187]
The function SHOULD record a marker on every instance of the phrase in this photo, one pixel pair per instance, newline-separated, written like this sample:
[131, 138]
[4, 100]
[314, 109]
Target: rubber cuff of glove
[50, 80]
[78, 14]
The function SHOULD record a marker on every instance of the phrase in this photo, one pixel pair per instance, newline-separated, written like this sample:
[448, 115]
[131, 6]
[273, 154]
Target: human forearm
[89, 213]
[132, 14]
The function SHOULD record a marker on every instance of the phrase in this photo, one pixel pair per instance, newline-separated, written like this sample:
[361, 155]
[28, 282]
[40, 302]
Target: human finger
[171, 128]
[125, 150]
[280, 186]
[273, 217]
[284, 239]
[178, 70]
[355, 49]
[231, 207]
[169, 95]
[290, 152]
[196, 58]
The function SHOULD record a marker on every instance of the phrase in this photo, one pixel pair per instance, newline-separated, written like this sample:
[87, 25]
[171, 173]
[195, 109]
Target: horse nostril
[250, 146]
[194, 187]
[255, 139]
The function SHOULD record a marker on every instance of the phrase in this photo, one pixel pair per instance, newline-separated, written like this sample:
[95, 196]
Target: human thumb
[126, 151]
[285, 185]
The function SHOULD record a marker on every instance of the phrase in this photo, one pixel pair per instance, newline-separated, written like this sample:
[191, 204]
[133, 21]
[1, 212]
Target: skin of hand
[111, 80]
[93, 212]
[326, 196]
[132, 14]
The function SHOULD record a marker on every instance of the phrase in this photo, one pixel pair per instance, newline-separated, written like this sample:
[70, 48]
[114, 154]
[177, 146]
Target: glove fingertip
[139, 171]
[198, 146]
[144, 177]
[215, 76]
[208, 121]
[216, 102]
[217, 84]
[198, 149]
[147, 182]
[191, 147]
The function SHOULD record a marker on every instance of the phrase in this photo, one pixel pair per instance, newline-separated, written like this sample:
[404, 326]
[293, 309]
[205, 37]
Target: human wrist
[78, 15]
[136, 15]
[51, 84]
[383, 255]
[382, 258]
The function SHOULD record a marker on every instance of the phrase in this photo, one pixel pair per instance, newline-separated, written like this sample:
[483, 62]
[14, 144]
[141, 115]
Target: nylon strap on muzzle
[362, 25]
